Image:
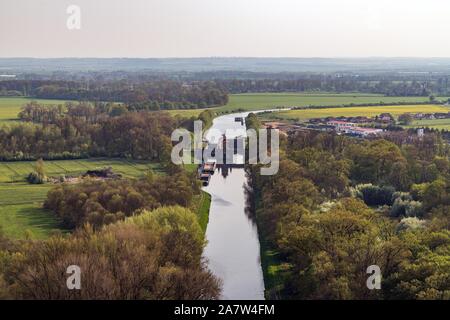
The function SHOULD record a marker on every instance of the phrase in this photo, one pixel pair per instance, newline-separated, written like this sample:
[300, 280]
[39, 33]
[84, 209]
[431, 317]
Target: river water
[233, 249]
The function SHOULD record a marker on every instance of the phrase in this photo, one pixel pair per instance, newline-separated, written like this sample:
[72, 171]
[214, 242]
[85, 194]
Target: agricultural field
[441, 124]
[17, 171]
[258, 101]
[261, 101]
[21, 213]
[10, 107]
[369, 111]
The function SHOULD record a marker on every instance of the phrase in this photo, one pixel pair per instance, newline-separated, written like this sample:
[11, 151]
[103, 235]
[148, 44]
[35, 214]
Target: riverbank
[273, 267]
[203, 210]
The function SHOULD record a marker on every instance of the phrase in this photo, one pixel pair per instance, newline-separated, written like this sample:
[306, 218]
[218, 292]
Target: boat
[209, 167]
[205, 178]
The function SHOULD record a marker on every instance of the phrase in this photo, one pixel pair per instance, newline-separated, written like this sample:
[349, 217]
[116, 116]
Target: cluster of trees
[104, 202]
[38, 176]
[84, 130]
[140, 95]
[339, 205]
[156, 255]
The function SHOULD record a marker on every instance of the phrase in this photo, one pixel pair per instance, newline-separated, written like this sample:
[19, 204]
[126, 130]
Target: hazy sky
[204, 28]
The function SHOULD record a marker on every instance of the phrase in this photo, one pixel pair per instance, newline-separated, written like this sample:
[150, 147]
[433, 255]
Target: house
[361, 119]
[385, 117]
[321, 127]
[363, 132]
[315, 120]
[341, 125]
[441, 115]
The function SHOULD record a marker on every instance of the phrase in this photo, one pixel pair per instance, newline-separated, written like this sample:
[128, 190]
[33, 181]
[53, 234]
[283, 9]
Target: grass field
[202, 203]
[436, 124]
[17, 171]
[260, 101]
[272, 100]
[10, 107]
[300, 115]
[21, 212]
[27, 221]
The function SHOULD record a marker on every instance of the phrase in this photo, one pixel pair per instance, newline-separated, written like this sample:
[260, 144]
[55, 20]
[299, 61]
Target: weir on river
[233, 250]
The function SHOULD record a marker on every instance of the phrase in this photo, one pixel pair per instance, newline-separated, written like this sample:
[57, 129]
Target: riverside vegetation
[340, 204]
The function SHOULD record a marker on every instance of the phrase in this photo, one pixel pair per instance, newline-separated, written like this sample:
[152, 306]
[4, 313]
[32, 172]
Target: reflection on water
[233, 246]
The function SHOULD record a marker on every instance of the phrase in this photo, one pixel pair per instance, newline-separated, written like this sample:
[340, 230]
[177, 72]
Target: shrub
[406, 208]
[375, 195]
[410, 223]
[35, 178]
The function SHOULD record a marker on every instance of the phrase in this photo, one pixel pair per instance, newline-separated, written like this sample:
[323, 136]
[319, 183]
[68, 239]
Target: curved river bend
[233, 249]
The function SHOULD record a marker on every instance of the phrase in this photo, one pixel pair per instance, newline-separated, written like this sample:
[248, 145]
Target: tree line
[389, 85]
[104, 202]
[140, 95]
[207, 90]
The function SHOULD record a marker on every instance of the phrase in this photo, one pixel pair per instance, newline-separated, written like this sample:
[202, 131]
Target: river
[233, 250]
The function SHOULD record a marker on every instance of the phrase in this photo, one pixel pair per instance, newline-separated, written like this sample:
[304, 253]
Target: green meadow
[369, 111]
[440, 124]
[17, 171]
[21, 213]
[258, 101]
[262, 101]
[10, 107]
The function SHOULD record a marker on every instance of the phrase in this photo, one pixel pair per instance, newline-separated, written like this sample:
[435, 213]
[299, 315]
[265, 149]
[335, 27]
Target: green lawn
[299, 115]
[21, 212]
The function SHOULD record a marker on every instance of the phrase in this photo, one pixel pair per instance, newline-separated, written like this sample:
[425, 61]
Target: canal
[233, 250]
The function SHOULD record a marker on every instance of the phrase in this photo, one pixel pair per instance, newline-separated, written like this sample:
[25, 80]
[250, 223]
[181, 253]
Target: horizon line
[229, 57]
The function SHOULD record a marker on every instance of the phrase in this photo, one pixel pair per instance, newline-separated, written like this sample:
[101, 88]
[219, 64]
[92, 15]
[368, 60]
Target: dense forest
[140, 95]
[155, 255]
[83, 129]
[340, 204]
